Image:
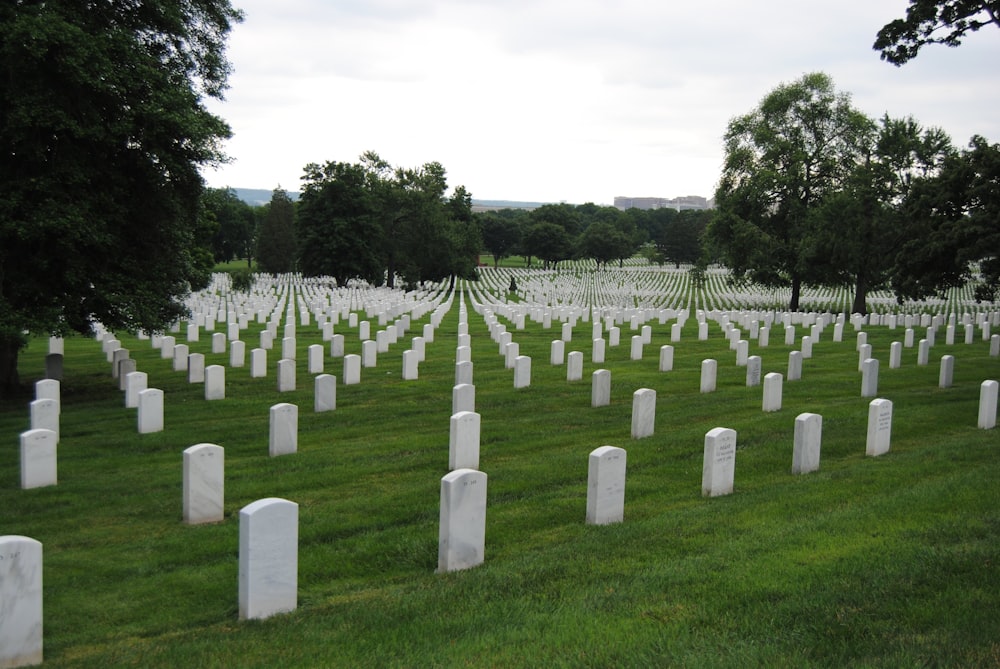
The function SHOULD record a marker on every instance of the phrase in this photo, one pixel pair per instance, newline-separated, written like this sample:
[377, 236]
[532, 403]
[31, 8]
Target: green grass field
[869, 562]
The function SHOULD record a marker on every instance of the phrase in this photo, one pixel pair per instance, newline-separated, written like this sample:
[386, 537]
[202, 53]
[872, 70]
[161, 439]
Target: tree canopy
[104, 130]
[933, 22]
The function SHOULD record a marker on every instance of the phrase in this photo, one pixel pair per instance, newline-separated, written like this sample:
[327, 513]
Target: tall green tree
[500, 232]
[955, 214]
[857, 232]
[680, 238]
[548, 241]
[945, 22]
[781, 159]
[276, 239]
[338, 229]
[234, 236]
[104, 129]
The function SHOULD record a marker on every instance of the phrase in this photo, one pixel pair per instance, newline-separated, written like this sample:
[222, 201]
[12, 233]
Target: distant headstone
[462, 532]
[709, 369]
[598, 351]
[666, 358]
[150, 416]
[463, 372]
[988, 404]
[269, 558]
[719, 464]
[794, 365]
[54, 366]
[215, 382]
[21, 600]
[773, 383]
[45, 415]
[643, 413]
[196, 368]
[135, 382]
[463, 398]
[879, 427]
[324, 393]
[286, 375]
[806, 448]
[869, 377]
[600, 391]
[284, 429]
[557, 352]
[522, 371]
[753, 371]
[203, 487]
[606, 485]
[463, 441]
[574, 366]
[38, 459]
[946, 375]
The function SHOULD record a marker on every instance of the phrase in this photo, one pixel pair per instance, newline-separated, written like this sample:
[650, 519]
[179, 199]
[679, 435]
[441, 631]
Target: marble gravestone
[463, 440]
[324, 393]
[522, 371]
[150, 415]
[719, 463]
[709, 369]
[988, 405]
[606, 485]
[666, 358]
[807, 441]
[600, 388]
[462, 531]
[773, 387]
[284, 429]
[269, 558]
[20, 601]
[643, 413]
[879, 427]
[203, 485]
[38, 458]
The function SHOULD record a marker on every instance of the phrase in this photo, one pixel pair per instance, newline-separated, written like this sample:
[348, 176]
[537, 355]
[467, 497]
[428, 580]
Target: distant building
[678, 203]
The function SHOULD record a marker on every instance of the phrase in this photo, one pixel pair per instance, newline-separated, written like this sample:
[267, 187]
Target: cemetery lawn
[869, 562]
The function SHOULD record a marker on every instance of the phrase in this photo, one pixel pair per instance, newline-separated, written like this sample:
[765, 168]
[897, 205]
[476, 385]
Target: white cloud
[552, 100]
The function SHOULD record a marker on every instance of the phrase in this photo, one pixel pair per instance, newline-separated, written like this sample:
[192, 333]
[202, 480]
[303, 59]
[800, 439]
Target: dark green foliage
[276, 245]
[933, 22]
[236, 226]
[103, 132]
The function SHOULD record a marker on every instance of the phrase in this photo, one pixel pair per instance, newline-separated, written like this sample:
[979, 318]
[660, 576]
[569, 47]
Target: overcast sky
[553, 100]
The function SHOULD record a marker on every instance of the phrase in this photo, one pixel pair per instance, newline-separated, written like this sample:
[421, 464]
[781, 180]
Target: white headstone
[181, 357]
[895, 355]
[324, 393]
[574, 366]
[315, 358]
[337, 346]
[869, 377]
[38, 459]
[463, 441]
[463, 372]
[196, 368]
[45, 415]
[135, 382]
[947, 373]
[794, 365]
[666, 358]
[258, 363]
[369, 353]
[709, 370]
[773, 383]
[203, 488]
[753, 371]
[600, 390]
[808, 437]
[352, 369]
[20, 601]
[286, 375]
[923, 352]
[269, 558]
[606, 485]
[643, 413]
[215, 382]
[284, 429]
[237, 353]
[288, 346]
[150, 416]
[557, 352]
[462, 533]
[522, 371]
[879, 427]
[636, 349]
[463, 398]
[598, 350]
[218, 343]
[988, 404]
[719, 464]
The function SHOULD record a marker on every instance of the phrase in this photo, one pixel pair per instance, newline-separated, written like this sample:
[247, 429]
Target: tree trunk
[793, 304]
[10, 382]
[860, 305]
